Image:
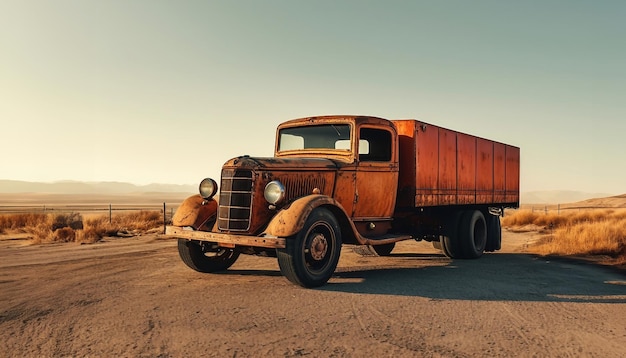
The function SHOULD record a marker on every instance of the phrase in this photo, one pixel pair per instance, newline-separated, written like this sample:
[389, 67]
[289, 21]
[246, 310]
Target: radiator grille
[297, 187]
[235, 200]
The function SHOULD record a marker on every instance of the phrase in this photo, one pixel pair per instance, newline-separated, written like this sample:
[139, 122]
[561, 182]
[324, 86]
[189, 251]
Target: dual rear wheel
[469, 234]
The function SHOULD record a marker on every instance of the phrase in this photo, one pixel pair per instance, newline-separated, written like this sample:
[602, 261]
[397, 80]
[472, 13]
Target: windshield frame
[345, 152]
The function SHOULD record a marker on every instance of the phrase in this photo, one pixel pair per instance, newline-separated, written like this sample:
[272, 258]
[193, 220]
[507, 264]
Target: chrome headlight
[274, 192]
[208, 188]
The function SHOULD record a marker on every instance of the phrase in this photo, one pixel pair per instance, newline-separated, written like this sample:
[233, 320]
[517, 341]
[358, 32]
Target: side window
[374, 145]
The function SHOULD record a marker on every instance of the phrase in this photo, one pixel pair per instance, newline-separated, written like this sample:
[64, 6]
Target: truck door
[376, 175]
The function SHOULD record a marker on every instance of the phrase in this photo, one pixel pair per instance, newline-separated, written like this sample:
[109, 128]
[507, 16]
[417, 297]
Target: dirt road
[134, 297]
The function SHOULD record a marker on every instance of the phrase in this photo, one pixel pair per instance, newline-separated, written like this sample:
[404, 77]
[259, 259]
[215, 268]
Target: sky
[167, 91]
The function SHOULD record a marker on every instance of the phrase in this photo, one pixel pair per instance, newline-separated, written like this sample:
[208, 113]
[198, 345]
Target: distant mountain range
[113, 188]
[558, 196]
[617, 201]
[78, 187]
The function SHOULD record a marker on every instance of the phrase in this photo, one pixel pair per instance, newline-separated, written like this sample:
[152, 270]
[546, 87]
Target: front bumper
[226, 240]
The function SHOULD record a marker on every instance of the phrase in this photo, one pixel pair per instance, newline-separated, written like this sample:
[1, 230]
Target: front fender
[194, 212]
[288, 221]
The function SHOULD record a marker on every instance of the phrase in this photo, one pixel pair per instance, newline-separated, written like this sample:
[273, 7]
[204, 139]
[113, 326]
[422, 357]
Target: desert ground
[134, 297]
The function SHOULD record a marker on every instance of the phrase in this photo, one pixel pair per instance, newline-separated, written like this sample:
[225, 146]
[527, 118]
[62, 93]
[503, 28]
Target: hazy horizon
[160, 92]
[71, 187]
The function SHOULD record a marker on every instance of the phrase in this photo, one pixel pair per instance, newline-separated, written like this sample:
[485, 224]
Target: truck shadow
[510, 277]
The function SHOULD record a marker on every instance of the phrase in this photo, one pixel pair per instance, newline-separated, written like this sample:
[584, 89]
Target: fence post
[110, 214]
[164, 219]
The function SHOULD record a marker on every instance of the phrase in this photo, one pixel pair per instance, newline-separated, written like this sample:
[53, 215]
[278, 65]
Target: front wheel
[204, 258]
[310, 258]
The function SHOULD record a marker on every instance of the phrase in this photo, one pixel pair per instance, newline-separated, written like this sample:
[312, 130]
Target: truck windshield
[327, 136]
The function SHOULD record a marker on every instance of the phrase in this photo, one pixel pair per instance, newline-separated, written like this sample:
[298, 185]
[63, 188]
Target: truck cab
[364, 151]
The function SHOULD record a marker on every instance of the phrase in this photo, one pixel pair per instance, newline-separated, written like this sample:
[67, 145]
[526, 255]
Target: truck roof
[358, 119]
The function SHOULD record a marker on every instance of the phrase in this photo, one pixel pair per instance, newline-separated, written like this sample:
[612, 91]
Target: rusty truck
[356, 180]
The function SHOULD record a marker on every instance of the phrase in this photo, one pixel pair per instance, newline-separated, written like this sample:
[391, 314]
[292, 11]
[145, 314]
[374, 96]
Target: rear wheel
[310, 258]
[205, 258]
[473, 234]
[385, 249]
[494, 233]
[449, 242]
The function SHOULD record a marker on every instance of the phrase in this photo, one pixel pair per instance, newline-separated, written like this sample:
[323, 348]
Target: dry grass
[19, 221]
[140, 220]
[71, 227]
[588, 232]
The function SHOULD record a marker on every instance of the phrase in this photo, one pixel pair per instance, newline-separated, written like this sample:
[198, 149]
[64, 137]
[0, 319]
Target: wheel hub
[319, 246]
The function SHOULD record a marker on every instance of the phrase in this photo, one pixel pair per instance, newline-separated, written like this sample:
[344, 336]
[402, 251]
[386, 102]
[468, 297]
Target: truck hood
[265, 163]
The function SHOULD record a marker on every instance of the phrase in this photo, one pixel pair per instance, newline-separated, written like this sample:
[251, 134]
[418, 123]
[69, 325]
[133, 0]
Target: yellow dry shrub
[22, 220]
[41, 232]
[607, 237]
[519, 218]
[89, 235]
[64, 234]
[94, 229]
[139, 220]
[71, 227]
[585, 232]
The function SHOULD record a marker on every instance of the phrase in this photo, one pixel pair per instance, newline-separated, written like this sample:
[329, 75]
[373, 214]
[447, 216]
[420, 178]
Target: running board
[385, 239]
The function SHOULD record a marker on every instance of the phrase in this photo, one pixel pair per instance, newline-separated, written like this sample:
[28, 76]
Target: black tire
[494, 233]
[385, 249]
[473, 234]
[310, 258]
[202, 260]
[450, 241]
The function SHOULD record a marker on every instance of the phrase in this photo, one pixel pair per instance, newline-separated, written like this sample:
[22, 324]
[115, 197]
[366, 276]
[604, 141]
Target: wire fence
[558, 208]
[166, 210]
